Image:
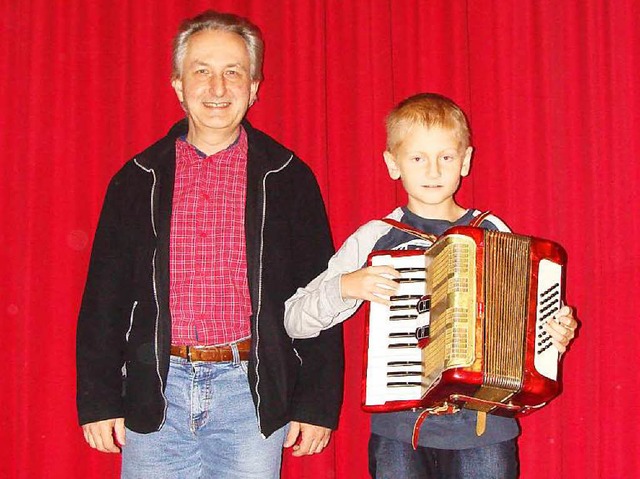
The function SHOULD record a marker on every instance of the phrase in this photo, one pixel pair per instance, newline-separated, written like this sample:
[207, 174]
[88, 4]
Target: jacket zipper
[126, 336]
[155, 291]
[133, 310]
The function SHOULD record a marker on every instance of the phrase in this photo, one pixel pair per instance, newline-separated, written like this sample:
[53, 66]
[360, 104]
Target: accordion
[465, 327]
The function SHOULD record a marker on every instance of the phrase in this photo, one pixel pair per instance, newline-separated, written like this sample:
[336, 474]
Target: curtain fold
[549, 87]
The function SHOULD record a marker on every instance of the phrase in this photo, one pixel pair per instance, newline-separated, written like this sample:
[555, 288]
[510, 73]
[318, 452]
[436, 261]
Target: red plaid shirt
[209, 292]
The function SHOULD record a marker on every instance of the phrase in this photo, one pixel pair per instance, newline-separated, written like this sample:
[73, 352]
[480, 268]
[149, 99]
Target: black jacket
[125, 321]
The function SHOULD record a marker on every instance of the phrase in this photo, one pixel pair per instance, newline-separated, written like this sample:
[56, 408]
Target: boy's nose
[433, 169]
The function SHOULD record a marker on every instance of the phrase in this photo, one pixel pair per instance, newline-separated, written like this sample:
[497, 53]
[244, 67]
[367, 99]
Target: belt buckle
[189, 354]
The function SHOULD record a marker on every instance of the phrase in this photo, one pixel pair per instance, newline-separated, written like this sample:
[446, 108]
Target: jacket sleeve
[102, 321]
[317, 396]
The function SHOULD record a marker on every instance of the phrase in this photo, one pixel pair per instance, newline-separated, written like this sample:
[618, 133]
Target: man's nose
[217, 85]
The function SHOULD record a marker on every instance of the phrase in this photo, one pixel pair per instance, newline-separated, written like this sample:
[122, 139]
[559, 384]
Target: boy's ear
[466, 161]
[392, 166]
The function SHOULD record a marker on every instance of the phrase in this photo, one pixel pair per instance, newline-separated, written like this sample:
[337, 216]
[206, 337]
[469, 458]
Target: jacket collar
[265, 153]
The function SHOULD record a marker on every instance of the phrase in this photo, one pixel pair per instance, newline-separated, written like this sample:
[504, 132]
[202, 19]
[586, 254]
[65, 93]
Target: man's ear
[254, 92]
[466, 162]
[392, 166]
[177, 87]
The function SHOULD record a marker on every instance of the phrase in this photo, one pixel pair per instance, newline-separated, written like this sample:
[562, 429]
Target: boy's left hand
[562, 328]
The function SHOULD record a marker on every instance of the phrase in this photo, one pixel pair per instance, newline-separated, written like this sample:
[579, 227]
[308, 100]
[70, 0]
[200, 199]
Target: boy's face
[430, 163]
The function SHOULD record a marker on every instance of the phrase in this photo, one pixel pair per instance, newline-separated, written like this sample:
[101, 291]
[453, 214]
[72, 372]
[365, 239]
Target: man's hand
[373, 283]
[313, 438]
[101, 434]
[562, 328]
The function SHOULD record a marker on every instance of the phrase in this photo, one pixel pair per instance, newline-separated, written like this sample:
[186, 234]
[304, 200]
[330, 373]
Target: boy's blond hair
[429, 110]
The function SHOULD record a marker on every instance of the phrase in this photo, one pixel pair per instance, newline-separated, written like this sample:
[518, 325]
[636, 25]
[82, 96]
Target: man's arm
[317, 397]
[102, 320]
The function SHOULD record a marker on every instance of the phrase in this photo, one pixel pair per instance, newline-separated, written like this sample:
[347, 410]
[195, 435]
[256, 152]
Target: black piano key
[402, 307]
[405, 297]
[402, 374]
[402, 345]
[410, 269]
[402, 335]
[398, 384]
[409, 280]
[404, 363]
[403, 317]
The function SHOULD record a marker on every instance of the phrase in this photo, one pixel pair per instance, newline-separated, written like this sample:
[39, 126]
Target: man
[201, 239]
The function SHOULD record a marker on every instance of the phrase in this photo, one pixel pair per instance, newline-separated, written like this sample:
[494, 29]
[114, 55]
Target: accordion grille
[451, 282]
[506, 273]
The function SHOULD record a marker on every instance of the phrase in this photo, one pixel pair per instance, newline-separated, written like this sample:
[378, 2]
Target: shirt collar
[189, 153]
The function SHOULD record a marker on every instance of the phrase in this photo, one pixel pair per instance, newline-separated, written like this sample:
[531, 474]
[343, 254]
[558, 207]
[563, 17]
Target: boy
[428, 149]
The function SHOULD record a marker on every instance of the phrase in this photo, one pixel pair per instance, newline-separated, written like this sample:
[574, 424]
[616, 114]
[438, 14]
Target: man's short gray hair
[228, 22]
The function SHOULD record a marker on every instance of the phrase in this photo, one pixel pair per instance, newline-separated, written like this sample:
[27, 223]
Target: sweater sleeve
[319, 305]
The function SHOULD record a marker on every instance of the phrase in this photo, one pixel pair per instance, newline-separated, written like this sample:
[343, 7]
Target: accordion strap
[480, 218]
[411, 230]
[442, 410]
[426, 236]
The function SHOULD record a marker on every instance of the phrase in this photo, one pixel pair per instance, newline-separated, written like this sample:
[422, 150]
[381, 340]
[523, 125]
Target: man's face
[430, 163]
[215, 87]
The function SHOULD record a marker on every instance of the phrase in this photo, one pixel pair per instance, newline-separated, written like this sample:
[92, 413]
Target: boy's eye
[448, 157]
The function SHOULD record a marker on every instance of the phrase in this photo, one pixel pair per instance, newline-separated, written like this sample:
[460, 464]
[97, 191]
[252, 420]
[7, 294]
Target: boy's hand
[562, 328]
[373, 283]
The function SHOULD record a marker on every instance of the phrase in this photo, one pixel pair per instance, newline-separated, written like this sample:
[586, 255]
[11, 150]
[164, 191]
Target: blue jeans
[391, 459]
[210, 430]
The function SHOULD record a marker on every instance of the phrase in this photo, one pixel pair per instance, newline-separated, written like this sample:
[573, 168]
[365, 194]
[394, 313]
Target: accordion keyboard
[394, 368]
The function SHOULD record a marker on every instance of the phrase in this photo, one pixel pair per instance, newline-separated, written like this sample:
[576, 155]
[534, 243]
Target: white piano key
[379, 355]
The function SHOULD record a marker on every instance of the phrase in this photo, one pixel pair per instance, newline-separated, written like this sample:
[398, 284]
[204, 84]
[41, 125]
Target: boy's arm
[322, 303]
[319, 305]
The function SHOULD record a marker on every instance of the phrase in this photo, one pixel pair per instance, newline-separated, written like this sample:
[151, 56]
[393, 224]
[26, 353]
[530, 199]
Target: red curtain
[550, 87]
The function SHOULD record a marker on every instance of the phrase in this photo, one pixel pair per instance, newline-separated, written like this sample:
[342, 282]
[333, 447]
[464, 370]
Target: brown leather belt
[212, 353]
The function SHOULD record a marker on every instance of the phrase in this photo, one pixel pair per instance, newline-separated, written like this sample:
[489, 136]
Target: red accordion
[465, 328]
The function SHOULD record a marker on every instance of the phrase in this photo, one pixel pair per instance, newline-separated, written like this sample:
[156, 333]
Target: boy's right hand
[373, 283]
